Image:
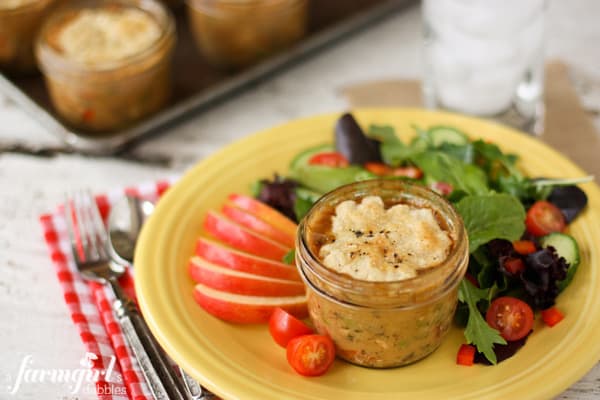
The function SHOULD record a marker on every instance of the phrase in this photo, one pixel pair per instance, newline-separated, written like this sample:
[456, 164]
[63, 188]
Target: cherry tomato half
[382, 169]
[378, 168]
[311, 355]
[284, 327]
[329, 159]
[543, 218]
[409, 172]
[511, 316]
[443, 188]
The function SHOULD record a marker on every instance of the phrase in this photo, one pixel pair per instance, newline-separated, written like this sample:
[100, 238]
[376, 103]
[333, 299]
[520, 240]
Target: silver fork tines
[98, 237]
[90, 248]
[85, 223]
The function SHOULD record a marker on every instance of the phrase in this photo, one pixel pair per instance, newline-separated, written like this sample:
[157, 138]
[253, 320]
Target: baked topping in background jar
[107, 35]
[377, 317]
[19, 23]
[236, 33]
[12, 4]
[107, 63]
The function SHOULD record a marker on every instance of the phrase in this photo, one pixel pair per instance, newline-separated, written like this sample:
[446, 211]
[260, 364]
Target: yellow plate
[243, 362]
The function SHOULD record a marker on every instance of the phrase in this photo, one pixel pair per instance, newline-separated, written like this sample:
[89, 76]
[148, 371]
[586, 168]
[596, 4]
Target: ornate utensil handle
[195, 391]
[156, 367]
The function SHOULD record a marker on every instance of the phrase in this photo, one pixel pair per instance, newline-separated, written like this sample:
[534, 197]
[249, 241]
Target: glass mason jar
[486, 58]
[110, 94]
[382, 324]
[19, 23]
[232, 34]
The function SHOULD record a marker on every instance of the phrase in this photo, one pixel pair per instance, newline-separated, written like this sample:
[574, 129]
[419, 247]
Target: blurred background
[302, 67]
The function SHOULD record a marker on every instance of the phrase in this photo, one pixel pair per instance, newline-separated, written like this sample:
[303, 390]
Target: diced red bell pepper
[524, 247]
[552, 316]
[472, 279]
[465, 355]
[514, 266]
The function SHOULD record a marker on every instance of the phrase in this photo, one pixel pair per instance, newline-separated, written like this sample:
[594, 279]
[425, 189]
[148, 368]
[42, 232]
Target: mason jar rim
[210, 9]
[243, 3]
[31, 5]
[386, 294]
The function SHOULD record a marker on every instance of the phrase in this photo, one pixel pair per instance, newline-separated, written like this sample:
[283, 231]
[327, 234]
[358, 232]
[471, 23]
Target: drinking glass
[486, 58]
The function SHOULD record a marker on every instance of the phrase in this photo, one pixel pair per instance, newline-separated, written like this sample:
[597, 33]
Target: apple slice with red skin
[232, 281]
[243, 309]
[264, 212]
[257, 225]
[219, 254]
[242, 238]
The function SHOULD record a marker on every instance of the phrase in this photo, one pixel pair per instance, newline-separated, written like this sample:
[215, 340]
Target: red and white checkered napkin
[107, 353]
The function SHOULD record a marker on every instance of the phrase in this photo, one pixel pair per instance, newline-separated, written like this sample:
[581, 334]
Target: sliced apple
[241, 261]
[258, 225]
[242, 238]
[243, 309]
[229, 280]
[264, 212]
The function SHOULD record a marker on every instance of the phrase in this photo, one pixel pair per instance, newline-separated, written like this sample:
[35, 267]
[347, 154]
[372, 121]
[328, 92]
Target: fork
[92, 254]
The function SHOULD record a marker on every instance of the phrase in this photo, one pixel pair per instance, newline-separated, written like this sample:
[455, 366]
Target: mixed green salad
[520, 257]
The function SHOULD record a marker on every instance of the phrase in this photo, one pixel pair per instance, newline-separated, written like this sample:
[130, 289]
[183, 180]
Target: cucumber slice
[321, 179]
[566, 247]
[445, 134]
[301, 160]
[307, 194]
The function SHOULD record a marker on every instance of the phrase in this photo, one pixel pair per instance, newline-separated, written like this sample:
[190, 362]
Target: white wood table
[35, 321]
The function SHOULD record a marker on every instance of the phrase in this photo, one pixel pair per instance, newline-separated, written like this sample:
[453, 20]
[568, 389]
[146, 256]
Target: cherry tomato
[543, 218]
[311, 355]
[329, 159]
[465, 355]
[382, 169]
[409, 172]
[552, 316]
[524, 247]
[378, 168]
[443, 188]
[284, 327]
[514, 265]
[511, 316]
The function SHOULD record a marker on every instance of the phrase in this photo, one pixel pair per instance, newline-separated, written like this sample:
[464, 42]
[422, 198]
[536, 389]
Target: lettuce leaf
[478, 332]
[491, 216]
[442, 167]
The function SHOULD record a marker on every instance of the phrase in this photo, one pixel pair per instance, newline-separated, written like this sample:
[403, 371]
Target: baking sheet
[196, 84]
